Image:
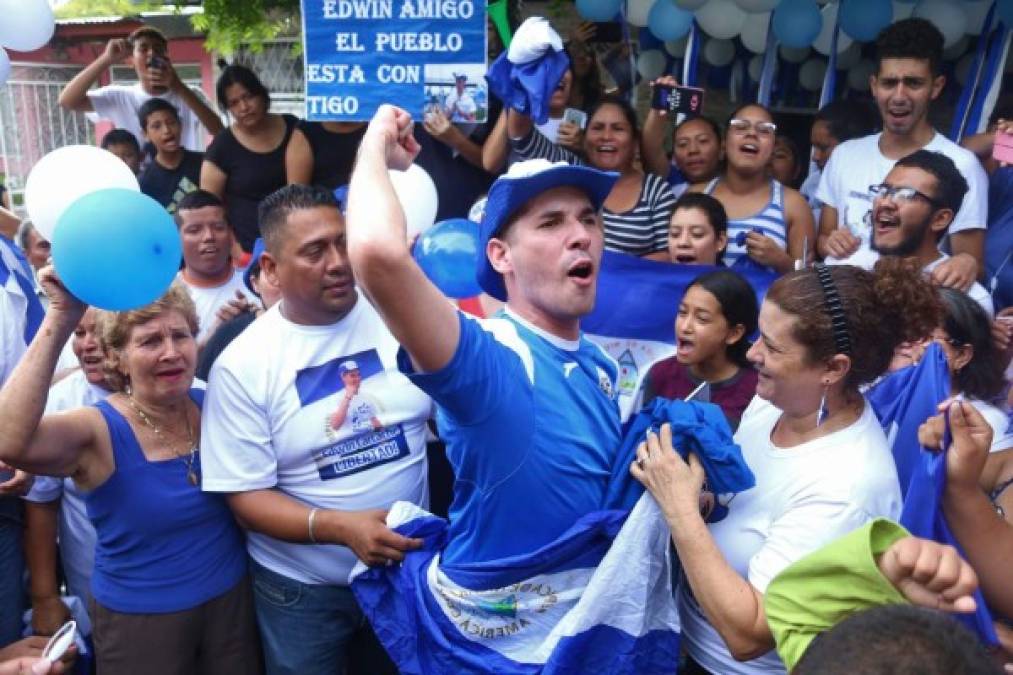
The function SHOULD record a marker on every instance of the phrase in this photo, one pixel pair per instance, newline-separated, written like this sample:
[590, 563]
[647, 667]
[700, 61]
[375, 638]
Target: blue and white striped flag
[21, 311]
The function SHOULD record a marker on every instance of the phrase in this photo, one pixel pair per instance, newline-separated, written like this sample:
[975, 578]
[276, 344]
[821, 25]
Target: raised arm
[420, 317]
[75, 95]
[208, 117]
[497, 146]
[652, 138]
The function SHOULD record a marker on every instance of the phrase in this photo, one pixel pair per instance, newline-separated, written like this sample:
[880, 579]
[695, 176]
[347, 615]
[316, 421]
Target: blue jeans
[308, 629]
[12, 570]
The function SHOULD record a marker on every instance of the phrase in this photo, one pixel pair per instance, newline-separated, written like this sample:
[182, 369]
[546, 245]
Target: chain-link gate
[281, 72]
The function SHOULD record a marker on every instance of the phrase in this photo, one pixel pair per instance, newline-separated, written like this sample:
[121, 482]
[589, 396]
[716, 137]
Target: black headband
[835, 308]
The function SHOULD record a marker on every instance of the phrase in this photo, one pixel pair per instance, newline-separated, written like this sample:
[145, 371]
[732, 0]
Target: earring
[822, 412]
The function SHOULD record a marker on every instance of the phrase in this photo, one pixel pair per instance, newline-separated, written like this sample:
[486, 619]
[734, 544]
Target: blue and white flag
[634, 315]
[903, 400]
[16, 278]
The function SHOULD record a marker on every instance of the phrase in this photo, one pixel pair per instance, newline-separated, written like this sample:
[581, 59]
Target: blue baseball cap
[258, 250]
[522, 183]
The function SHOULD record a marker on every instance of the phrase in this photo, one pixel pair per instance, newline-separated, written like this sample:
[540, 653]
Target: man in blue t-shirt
[527, 405]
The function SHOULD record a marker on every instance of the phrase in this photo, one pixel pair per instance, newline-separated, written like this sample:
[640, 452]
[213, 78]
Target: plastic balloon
[757, 6]
[754, 33]
[598, 10]
[637, 12]
[66, 174]
[810, 75]
[116, 249]
[976, 13]
[448, 254]
[691, 5]
[794, 54]
[850, 57]
[668, 22]
[902, 9]
[826, 36]
[797, 22]
[722, 19]
[719, 53]
[1004, 12]
[858, 76]
[417, 194]
[956, 50]
[651, 64]
[27, 25]
[864, 19]
[5, 66]
[755, 68]
[677, 48]
[948, 17]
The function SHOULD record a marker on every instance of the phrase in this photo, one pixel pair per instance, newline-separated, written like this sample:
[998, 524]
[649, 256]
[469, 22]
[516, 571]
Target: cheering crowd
[198, 479]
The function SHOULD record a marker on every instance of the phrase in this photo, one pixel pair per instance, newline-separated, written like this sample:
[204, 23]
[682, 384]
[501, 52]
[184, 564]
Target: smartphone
[157, 61]
[688, 100]
[1002, 148]
[574, 116]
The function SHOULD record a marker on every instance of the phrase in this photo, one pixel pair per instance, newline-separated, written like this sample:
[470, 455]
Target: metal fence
[281, 71]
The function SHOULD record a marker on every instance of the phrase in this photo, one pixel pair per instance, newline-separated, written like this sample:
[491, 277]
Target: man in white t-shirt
[906, 82]
[217, 288]
[146, 49]
[312, 491]
[460, 105]
[913, 207]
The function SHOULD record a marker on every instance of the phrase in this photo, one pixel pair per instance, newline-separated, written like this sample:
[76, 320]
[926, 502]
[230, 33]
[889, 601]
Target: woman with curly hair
[821, 460]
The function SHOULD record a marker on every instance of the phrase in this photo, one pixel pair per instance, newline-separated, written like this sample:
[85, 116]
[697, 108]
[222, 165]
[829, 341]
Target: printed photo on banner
[347, 391]
[360, 54]
[458, 91]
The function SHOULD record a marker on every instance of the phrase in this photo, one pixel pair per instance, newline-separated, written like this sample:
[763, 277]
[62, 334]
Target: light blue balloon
[797, 22]
[668, 22]
[448, 253]
[1004, 12]
[599, 10]
[864, 19]
[116, 249]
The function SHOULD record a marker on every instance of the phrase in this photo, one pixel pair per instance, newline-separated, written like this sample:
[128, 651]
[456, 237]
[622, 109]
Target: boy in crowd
[124, 145]
[146, 49]
[175, 171]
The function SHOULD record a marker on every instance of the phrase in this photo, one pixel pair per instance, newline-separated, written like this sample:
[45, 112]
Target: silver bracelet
[309, 524]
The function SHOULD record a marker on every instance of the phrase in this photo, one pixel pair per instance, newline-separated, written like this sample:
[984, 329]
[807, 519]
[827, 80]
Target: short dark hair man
[312, 495]
[526, 403]
[906, 82]
[147, 50]
[913, 207]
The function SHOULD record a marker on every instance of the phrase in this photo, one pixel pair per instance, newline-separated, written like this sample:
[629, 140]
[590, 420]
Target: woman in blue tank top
[769, 224]
[169, 585]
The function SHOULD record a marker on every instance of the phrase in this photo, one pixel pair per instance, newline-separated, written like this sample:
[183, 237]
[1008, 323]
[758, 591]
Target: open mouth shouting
[582, 272]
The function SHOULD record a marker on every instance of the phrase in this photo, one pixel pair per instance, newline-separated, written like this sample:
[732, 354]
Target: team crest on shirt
[605, 383]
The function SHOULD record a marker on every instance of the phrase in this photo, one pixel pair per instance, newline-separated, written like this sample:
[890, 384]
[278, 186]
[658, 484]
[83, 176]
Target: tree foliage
[80, 8]
[230, 24]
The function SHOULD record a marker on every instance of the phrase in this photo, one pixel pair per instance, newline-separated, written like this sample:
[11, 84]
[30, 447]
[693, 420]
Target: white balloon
[5, 66]
[66, 174]
[902, 10]
[677, 48]
[637, 11]
[810, 75]
[963, 69]
[722, 19]
[651, 64]
[826, 36]
[976, 13]
[794, 54]
[850, 57]
[949, 17]
[419, 200]
[719, 52]
[755, 68]
[757, 6]
[27, 25]
[691, 5]
[754, 32]
[858, 77]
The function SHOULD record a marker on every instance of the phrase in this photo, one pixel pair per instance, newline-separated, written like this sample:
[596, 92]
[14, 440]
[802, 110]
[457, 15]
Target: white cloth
[1002, 435]
[76, 534]
[267, 424]
[532, 39]
[858, 163]
[119, 104]
[209, 300]
[805, 497]
[13, 316]
[976, 292]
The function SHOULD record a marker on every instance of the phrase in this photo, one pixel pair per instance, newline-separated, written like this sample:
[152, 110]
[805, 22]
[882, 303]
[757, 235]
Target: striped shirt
[770, 221]
[639, 231]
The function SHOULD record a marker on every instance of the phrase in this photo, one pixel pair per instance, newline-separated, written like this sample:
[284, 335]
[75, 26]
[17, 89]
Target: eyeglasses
[899, 193]
[741, 127]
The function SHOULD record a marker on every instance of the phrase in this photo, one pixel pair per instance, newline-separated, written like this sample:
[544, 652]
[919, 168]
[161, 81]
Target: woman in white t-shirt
[820, 458]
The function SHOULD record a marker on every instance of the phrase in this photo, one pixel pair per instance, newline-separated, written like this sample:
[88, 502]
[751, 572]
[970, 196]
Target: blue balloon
[599, 10]
[448, 253]
[864, 19]
[797, 22]
[668, 22]
[116, 249]
[1004, 12]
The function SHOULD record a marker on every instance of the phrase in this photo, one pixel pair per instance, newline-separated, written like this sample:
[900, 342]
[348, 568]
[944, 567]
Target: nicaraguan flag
[634, 315]
[16, 279]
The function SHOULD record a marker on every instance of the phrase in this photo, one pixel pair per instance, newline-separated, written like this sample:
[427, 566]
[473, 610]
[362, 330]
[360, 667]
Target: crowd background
[730, 188]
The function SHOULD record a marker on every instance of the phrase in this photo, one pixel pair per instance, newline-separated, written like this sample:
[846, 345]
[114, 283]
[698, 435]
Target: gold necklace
[188, 461]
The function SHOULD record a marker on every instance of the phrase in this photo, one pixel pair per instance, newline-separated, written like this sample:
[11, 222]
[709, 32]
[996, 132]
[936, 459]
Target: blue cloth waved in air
[528, 87]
